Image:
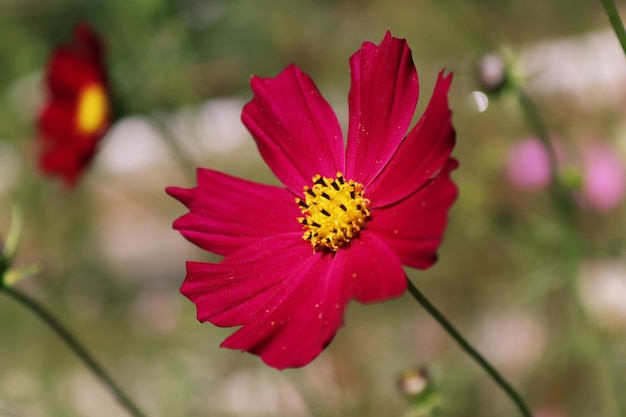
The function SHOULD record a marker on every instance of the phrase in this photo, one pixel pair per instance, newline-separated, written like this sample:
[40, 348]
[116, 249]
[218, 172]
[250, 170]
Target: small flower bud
[4, 264]
[418, 388]
[492, 73]
[413, 382]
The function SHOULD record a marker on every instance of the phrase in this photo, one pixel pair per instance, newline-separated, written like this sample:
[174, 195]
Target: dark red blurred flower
[345, 222]
[77, 112]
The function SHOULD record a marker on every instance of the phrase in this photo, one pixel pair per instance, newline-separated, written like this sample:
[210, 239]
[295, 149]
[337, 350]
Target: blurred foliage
[502, 254]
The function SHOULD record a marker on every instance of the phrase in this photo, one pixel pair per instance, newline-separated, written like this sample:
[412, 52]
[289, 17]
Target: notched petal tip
[447, 77]
[423, 152]
[185, 195]
[387, 38]
[188, 195]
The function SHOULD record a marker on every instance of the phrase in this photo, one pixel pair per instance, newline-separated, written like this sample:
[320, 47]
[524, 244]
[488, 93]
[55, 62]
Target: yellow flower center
[93, 108]
[334, 212]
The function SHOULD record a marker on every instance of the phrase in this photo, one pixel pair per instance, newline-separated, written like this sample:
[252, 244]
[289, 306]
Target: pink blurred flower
[604, 179]
[528, 165]
[599, 172]
[345, 221]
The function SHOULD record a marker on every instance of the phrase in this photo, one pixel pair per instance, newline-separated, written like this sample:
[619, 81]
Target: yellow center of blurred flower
[334, 212]
[93, 109]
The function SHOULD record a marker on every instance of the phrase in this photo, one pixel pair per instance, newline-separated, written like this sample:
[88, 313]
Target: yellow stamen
[334, 212]
[93, 109]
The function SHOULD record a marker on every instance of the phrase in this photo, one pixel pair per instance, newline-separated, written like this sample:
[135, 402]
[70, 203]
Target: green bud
[12, 276]
[9, 247]
[571, 177]
[419, 389]
[498, 72]
[15, 231]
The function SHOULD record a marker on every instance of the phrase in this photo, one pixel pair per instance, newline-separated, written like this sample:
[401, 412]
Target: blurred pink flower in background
[604, 181]
[595, 172]
[528, 165]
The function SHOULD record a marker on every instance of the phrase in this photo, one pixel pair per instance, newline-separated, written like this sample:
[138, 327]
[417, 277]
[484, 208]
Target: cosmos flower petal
[297, 331]
[185, 195]
[61, 160]
[88, 39]
[64, 153]
[382, 101]
[77, 64]
[53, 123]
[228, 213]
[68, 73]
[295, 128]
[374, 271]
[413, 227]
[231, 292]
[290, 304]
[422, 154]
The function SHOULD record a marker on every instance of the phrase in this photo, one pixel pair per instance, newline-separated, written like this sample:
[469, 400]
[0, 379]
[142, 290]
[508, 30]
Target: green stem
[75, 346]
[562, 197]
[469, 349]
[598, 355]
[535, 121]
[566, 206]
[616, 22]
[187, 165]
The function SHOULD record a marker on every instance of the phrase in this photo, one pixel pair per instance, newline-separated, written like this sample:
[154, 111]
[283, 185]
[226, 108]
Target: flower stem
[566, 206]
[469, 349]
[562, 196]
[616, 22]
[596, 349]
[75, 346]
[187, 165]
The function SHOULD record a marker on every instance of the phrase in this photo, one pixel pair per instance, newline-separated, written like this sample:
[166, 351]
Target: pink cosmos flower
[528, 164]
[602, 173]
[604, 182]
[345, 221]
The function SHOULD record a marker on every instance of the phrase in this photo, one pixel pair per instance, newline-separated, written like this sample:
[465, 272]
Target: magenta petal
[422, 154]
[287, 298]
[295, 128]
[184, 195]
[88, 42]
[228, 213]
[413, 227]
[382, 101]
[295, 330]
[372, 269]
[231, 292]
[69, 71]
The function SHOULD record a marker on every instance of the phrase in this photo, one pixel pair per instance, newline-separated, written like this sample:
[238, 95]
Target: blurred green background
[112, 266]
